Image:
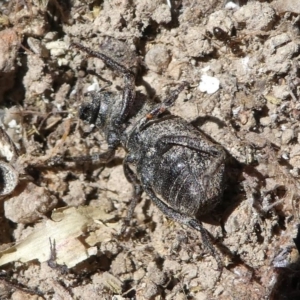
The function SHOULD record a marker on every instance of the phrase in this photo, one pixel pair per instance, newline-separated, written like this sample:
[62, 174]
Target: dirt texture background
[253, 111]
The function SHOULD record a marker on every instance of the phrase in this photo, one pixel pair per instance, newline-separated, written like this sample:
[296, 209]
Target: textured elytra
[178, 163]
[174, 163]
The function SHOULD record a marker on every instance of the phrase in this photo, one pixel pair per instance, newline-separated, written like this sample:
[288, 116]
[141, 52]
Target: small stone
[209, 84]
[139, 274]
[162, 14]
[265, 121]
[57, 48]
[157, 58]
[295, 151]
[29, 205]
[287, 136]
[155, 275]
[281, 92]
[259, 16]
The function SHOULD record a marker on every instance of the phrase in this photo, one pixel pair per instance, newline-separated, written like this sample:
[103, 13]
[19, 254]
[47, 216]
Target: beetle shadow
[232, 197]
[200, 121]
[233, 192]
[151, 92]
[287, 276]
[233, 174]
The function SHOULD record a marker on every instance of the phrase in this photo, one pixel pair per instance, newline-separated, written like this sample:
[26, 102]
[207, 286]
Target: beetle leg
[104, 157]
[195, 224]
[216, 151]
[137, 188]
[184, 219]
[189, 142]
[162, 107]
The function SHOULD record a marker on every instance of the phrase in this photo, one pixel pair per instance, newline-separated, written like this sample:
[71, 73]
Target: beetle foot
[56, 160]
[207, 242]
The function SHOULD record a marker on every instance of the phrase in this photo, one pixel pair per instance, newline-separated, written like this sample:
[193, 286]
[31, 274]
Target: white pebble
[209, 84]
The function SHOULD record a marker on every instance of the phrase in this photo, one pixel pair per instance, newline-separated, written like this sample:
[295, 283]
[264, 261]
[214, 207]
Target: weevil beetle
[176, 165]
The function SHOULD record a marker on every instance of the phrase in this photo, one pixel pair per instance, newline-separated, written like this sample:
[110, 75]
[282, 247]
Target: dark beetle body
[174, 163]
[177, 173]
